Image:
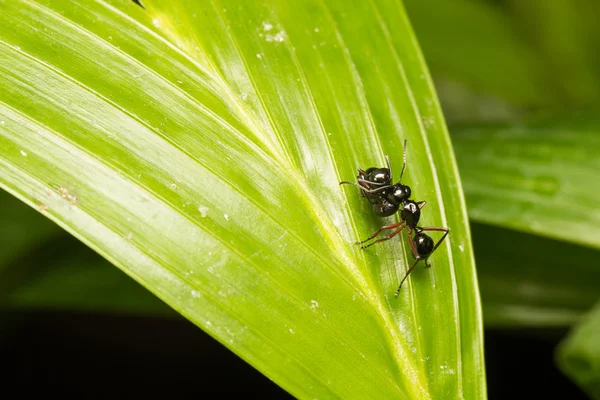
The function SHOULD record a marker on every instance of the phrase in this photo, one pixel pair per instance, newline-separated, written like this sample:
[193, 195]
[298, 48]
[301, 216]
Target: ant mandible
[375, 185]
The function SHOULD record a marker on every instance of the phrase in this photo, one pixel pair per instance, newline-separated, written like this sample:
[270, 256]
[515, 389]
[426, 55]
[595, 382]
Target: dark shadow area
[78, 355]
[520, 365]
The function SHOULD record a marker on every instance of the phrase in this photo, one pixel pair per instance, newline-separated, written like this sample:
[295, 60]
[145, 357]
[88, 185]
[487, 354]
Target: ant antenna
[403, 166]
[387, 160]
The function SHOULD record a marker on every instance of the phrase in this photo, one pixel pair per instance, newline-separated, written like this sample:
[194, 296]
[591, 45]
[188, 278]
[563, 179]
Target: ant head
[399, 193]
[411, 213]
[424, 244]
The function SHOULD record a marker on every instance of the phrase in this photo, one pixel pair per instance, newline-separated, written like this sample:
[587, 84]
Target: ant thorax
[411, 213]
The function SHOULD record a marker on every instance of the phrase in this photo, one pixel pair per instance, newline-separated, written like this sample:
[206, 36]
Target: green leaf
[536, 223]
[476, 44]
[562, 40]
[66, 275]
[208, 171]
[43, 267]
[578, 356]
[536, 178]
[530, 281]
[21, 229]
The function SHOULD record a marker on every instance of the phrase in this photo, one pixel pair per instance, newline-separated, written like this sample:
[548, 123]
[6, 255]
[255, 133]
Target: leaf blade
[148, 180]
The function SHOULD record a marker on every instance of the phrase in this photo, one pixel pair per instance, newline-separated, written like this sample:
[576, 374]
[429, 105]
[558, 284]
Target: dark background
[76, 355]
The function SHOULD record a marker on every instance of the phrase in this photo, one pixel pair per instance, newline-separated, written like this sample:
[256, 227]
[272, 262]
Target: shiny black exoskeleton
[376, 185]
[421, 244]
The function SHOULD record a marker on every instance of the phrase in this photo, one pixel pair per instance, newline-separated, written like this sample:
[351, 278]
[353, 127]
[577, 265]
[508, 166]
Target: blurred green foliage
[519, 84]
[510, 74]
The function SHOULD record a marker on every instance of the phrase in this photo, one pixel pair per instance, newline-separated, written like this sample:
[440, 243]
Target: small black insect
[376, 185]
[422, 246]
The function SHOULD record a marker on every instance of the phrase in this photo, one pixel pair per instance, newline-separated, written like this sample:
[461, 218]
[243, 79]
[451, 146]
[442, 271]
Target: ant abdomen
[380, 176]
[424, 244]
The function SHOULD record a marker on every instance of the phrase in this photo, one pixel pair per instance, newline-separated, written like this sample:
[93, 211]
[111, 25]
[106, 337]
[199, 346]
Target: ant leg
[413, 248]
[388, 237]
[406, 276]
[366, 190]
[415, 253]
[440, 229]
[380, 188]
[351, 183]
[385, 227]
[404, 165]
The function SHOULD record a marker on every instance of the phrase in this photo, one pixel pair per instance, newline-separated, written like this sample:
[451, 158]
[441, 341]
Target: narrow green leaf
[539, 178]
[578, 356]
[43, 267]
[530, 281]
[66, 275]
[208, 171]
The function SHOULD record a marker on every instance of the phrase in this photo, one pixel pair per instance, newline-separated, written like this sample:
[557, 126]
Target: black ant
[421, 244]
[375, 185]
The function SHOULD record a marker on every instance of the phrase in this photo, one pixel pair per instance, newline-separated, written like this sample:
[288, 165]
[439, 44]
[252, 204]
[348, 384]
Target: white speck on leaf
[259, 56]
[173, 186]
[316, 30]
[226, 217]
[203, 211]
[195, 294]
[23, 153]
[278, 37]
[267, 26]
[314, 305]
[156, 22]
[291, 331]
[461, 248]
[428, 121]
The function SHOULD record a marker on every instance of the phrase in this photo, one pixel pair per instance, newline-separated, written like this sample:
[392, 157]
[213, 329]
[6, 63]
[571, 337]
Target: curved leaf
[578, 355]
[531, 281]
[536, 178]
[21, 229]
[208, 171]
[537, 181]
